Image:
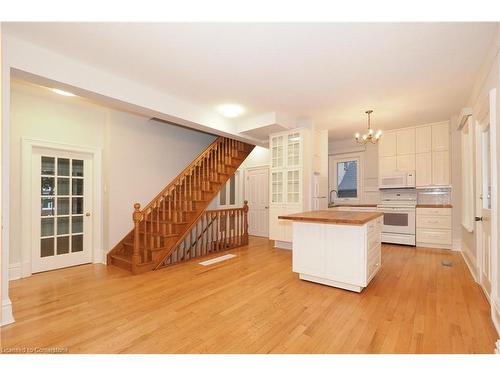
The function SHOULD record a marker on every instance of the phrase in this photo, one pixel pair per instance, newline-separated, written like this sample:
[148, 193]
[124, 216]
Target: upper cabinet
[424, 149]
[440, 137]
[423, 139]
[387, 145]
[405, 141]
[277, 151]
[293, 150]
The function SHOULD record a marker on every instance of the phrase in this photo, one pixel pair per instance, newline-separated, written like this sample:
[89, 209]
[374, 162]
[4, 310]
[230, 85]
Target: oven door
[398, 220]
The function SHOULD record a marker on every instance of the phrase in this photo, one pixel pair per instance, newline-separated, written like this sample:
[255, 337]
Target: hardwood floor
[254, 303]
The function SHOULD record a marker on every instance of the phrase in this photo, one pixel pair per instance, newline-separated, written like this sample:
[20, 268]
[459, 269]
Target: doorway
[257, 195]
[484, 202]
[61, 206]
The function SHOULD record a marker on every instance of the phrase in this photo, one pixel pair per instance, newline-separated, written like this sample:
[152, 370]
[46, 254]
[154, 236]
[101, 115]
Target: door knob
[87, 214]
[478, 218]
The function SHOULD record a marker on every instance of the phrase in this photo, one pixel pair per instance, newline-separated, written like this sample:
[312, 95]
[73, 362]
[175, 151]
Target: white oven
[399, 208]
[397, 180]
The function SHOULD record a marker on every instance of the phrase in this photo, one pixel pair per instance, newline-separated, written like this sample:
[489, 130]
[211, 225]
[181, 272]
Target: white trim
[14, 271]
[456, 244]
[333, 178]
[283, 245]
[466, 254]
[494, 256]
[495, 316]
[7, 317]
[97, 231]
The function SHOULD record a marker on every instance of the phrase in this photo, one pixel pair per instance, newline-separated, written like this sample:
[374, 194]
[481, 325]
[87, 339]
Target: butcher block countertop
[333, 217]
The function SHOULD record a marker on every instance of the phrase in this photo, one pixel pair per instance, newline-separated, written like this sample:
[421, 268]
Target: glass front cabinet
[286, 181]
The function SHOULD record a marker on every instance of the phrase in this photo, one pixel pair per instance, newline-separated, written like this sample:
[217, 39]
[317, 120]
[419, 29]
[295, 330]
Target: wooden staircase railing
[216, 230]
[163, 223]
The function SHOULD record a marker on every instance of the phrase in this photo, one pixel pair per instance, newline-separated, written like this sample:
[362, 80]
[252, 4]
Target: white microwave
[397, 180]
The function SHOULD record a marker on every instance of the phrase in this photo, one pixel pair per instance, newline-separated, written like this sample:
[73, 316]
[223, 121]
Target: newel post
[245, 222]
[137, 218]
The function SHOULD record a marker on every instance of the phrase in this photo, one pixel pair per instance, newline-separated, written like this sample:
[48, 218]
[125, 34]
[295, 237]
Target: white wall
[140, 156]
[258, 157]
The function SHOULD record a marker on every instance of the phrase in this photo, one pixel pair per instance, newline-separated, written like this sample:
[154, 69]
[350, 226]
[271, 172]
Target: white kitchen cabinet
[292, 166]
[405, 162]
[423, 169]
[387, 145]
[423, 139]
[441, 137]
[434, 227]
[343, 256]
[440, 168]
[387, 164]
[405, 142]
[424, 149]
[277, 151]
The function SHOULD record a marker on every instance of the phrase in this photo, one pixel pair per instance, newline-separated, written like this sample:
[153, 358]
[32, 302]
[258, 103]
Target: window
[228, 193]
[345, 178]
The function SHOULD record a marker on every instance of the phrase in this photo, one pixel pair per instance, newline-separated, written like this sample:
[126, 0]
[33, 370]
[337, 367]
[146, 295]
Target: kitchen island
[337, 248]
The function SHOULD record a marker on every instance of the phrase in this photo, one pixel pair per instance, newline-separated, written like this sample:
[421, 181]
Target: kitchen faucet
[331, 201]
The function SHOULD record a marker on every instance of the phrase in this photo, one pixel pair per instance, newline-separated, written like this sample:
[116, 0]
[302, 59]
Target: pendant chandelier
[371, 136]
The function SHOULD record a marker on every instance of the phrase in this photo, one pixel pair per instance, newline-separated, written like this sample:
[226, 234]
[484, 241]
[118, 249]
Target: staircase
[175, 225]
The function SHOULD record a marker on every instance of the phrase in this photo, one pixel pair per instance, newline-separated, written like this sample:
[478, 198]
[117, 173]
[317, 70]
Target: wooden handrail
[221, 229]
[166, 221]
[175, 181]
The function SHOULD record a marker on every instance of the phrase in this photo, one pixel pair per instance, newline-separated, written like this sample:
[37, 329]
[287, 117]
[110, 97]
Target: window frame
[333, 176]
[238, 202]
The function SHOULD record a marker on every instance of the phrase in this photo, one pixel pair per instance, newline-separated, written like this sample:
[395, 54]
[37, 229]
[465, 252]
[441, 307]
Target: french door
[61, 209]
[483, 206]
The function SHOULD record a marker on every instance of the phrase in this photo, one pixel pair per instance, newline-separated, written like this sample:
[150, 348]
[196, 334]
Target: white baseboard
[14, 271]
[456, 244]
[495, 316]
[469, 261]
[283, 245]
[7, 317]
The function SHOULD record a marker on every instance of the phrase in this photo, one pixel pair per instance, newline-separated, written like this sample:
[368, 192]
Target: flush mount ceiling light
[231, 110]
[371, 136]
[62, 92]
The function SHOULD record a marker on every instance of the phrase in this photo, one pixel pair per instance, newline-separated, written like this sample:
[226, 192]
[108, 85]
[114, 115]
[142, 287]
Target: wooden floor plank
[254, 303]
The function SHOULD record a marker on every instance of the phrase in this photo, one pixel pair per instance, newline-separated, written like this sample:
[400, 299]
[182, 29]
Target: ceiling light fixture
[231, 110]
[62, 92]
[371, 136]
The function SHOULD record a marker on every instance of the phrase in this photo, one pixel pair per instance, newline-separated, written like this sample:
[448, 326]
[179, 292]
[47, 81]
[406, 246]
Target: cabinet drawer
[434, 236]
[374, 226]
[433, 211]
[372, 266]
[374, 251]
[434, 222]
[373, 240]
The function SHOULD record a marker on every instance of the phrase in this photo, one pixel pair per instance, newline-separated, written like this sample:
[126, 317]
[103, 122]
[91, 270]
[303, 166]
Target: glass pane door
[277, 187]
[61, 206]
[293, 150]
[293, 184]
[277, 151]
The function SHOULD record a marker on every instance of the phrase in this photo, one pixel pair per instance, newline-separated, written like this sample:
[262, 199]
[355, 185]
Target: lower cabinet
[434, 227]
[343, 256]
[281, 230]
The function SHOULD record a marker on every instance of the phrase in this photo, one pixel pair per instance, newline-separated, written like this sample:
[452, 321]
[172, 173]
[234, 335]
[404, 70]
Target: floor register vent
[216, 260]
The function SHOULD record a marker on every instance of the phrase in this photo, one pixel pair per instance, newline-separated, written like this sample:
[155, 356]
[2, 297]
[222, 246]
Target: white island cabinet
[337, 248]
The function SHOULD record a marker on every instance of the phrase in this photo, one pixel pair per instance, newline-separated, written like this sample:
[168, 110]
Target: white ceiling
[327, 74]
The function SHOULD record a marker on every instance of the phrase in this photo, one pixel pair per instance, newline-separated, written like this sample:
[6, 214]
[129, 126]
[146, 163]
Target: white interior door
[483, 206]
[257, 195]
[61, 209]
